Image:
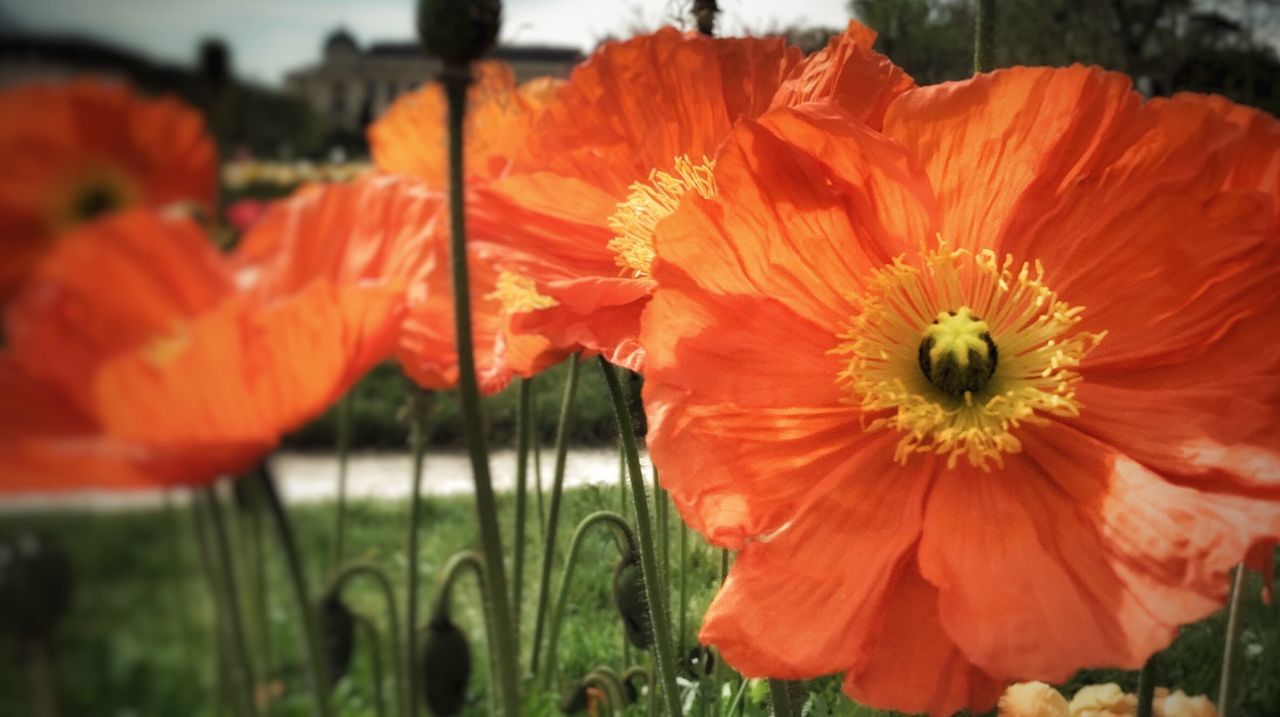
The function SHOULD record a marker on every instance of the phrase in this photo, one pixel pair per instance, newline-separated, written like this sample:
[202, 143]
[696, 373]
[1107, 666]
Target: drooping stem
[608, 682]
[229, 599]
[1230, 651]
[418, 404]
[365, 569]
[375, 661]
[456, 78]
[1147, 686]
[343, 441]
[603, 517]
[984, 36]
[524, 427]
[787, 698]
[301, 594]
[553, 508]
[662, 651]
[458, 563]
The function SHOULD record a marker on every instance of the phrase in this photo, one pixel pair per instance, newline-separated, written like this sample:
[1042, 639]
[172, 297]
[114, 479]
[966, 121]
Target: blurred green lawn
[138, 637]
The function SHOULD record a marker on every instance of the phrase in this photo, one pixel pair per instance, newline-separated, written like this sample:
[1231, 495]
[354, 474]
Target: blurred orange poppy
[625, 138]
[153, 369]
[988, 396]
[75, 151]
[392, 230]
[410, 138]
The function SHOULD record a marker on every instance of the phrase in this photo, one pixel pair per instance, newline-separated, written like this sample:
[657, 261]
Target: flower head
[1032, 699]
[76, 151]
[986, 396]
[624, 141]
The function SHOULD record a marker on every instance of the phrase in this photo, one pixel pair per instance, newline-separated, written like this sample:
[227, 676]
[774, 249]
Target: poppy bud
[575, 701]
[699, 662]
[458, 31]
[35, 584]
[629, 597]
[446, 666]
[338, 630]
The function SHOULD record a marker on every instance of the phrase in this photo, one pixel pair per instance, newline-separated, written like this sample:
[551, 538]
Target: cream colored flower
[1032, 699]
[1103, 701]
[1179, 704]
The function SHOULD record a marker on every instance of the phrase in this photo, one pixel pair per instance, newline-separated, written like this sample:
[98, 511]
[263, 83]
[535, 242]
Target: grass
[138, 638]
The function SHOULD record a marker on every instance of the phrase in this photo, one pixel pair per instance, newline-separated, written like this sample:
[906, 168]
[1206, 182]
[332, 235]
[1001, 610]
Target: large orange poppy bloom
[75, 151]
[151, 368]
[625, 138]
[990, 396]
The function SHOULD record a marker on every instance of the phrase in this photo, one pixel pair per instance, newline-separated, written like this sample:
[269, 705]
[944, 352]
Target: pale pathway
[313, 477]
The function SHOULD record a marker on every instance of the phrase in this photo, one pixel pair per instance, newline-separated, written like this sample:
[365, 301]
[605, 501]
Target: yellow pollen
[1033, 378]
[518, 294]
[956, 334]
[649, 203]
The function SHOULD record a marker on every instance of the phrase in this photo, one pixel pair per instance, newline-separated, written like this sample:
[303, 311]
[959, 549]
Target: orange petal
[1079, 547]
[808, 599]
[109, 287]
[410, 137]
[599, 316]
[231, 382]
[914, 666]
[61, 143]
[850, 74]
[635, 106]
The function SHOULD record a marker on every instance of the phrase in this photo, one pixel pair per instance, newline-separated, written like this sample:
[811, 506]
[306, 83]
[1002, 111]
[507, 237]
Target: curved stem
[418, 400]
[1147, 687]
[229, 597]
[609, 518]
[984, 36]
[607, 680]
[375, 660]
[343, 440]
[524, 420]
[1230, 651]
[456, 78]
[301, 596]
[553, 509]
[336, 586]
[662, 652]
[449, 574]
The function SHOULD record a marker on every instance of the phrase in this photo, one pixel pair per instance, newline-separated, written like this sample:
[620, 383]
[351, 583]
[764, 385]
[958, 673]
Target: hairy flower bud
[35, 584]
[338, 632]
[629, 598]
[458, 31]
[446, 666]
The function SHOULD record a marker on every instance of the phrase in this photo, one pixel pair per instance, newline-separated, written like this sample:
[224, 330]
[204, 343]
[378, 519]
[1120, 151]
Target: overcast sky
[269, 37]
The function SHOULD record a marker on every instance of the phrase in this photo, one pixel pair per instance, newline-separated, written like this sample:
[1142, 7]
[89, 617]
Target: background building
[351, 86]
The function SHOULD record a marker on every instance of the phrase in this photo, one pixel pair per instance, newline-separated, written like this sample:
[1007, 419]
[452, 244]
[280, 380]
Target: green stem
[41, 677]
[449, 574]
[222, 663]
[524, 428]
[1231, 651]
[301, 596]
[662, 652]
[553, 508]
[537, 467]
[456, 78]
[683, 606]
[343, 440]
[984, 36]
[1147, 687]
[339, 582]
[418, 400]
[230, 600]
[609, 683]
[736, 702]
[619, 524]
[622, 510]
[375, 661]
[178, 573]
[787, 698]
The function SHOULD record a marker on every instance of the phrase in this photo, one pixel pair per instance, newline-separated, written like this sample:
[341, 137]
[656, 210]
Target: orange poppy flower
[627, 137]
[159, 370]
[392, 230]
[986, 397]
[72, 152]
[411, 137]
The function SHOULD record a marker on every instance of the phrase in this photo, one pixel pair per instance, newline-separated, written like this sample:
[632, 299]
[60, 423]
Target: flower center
[99, 191]
[922, 355]
[957, 354]
[649, 203]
